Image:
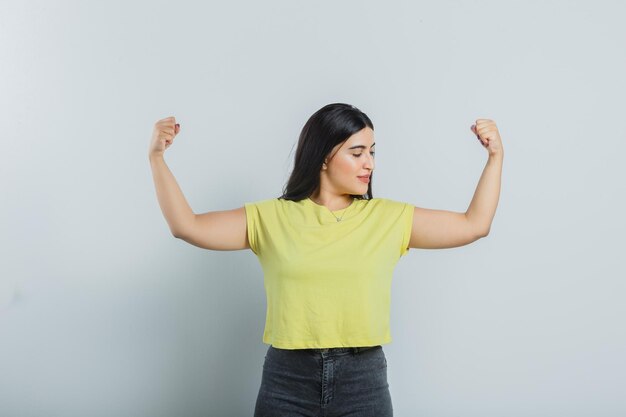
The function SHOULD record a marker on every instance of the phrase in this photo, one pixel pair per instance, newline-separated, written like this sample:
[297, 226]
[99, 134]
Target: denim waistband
[342, 349]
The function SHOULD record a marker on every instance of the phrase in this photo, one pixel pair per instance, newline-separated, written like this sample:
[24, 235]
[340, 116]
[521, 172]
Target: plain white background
[105, 313]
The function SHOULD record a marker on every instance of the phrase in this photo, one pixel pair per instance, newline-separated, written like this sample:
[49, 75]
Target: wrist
[498, 157]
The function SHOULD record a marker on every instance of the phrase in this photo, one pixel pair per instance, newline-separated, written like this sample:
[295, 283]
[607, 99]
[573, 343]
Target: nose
[369, 163]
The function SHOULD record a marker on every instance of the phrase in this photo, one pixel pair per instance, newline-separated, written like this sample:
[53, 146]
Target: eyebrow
[361, 146]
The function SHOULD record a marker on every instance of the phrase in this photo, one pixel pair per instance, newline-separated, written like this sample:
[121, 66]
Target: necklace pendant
[338, 220]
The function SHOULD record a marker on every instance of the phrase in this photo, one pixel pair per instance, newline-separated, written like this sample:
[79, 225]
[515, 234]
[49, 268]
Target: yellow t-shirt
[328, 283]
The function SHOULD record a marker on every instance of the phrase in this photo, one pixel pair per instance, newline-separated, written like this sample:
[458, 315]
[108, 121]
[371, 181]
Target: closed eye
[357, 155]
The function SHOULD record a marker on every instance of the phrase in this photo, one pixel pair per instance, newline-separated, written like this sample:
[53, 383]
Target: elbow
[181, 231]
[481, 231]
[477, 228]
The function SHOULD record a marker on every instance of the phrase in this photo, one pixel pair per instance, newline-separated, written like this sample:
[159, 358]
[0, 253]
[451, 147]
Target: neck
[332, 202]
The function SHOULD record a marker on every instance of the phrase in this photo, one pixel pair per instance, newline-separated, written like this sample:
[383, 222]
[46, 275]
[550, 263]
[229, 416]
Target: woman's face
[349, 160]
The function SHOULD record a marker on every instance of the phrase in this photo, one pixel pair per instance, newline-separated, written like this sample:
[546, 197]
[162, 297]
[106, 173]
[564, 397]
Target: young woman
[328, 248]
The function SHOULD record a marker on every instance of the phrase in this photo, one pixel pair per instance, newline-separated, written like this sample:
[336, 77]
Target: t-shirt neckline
[321, 206]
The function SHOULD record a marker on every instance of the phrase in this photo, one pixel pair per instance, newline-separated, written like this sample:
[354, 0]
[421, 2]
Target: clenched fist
[163, 134]
[487, 133]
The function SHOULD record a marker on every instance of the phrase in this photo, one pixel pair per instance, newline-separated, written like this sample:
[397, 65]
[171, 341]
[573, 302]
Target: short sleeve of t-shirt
[252, 221]
[264, 222]
[406, 222]
[401, 215]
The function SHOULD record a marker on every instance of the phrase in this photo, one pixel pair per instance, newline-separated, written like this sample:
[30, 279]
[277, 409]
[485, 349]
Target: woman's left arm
[482, 209]
[439, 229]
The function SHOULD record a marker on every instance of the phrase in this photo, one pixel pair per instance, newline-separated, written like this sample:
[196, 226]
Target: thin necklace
[344, 213]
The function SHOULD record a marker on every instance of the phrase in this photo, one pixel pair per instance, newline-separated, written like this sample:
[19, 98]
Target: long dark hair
[329, 126]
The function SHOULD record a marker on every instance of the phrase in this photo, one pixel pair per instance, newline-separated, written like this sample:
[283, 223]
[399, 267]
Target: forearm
[174, 206]
[482, 209]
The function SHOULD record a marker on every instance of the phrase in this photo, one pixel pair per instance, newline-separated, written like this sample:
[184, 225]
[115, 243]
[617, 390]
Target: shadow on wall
[9, 293]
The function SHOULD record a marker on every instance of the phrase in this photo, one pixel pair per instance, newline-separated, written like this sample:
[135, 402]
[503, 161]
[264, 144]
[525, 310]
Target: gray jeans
[348, 382]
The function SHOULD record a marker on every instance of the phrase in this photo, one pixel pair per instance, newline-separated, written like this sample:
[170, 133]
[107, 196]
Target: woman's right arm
[174, 206]
[218, 230]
